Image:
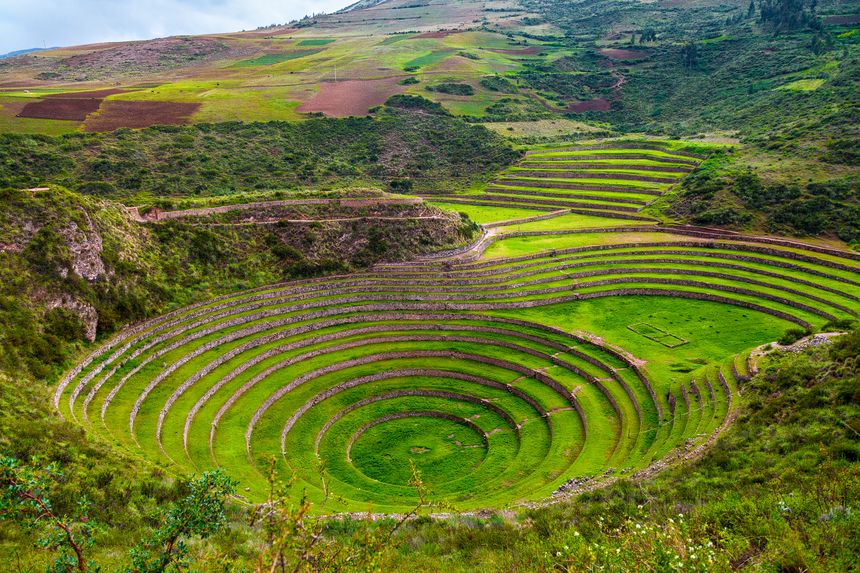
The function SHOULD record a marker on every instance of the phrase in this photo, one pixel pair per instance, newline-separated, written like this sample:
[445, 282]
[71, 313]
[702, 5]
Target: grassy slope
[766, 498]
[149, 268]
[402, 149]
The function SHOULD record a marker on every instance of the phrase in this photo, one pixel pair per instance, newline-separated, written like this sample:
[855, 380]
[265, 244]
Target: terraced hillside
[615, 179]
[528, 366]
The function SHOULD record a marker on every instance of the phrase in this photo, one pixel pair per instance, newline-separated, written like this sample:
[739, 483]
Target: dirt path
[157, 215]
[272, 221]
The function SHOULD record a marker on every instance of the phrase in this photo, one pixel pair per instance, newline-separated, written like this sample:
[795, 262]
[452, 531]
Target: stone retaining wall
[384, 317]
[404, 393]
[623, 145]
[559, 203]
[550, 195]
[695, 296]
[698, 284]
[711, 394]
[158, 215]
[484, 280]
[603, 157]
[575, 175]
[513, 181]
[511, 223]
[478, 202]
[384, 356]
[608, 167]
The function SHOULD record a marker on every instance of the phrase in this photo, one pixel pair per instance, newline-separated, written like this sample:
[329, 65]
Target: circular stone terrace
[462, 365]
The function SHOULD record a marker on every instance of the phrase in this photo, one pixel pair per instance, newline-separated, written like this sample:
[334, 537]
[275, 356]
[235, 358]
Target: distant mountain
[360, 5]
[22, 52]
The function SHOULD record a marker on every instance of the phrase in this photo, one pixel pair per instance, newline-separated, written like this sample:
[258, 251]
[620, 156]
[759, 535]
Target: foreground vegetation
[765, 498]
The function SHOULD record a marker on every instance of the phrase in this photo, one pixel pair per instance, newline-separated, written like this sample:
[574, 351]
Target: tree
[201, 513]
[690, 54]
[24, 500]
[298, 541]
[751, 9]
[821, 42]
[647, 35]
[788, 15]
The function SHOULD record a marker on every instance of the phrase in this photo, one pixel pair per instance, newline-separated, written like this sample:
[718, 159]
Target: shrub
[415, 102]
[498, 84]
[792, 335]
[64, 324]
[452, 88]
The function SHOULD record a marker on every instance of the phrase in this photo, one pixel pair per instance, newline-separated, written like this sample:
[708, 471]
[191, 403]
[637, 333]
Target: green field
[443, 285]
[564, 348]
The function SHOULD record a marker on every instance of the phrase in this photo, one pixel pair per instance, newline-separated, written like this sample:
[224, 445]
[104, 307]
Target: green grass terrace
[515, 371]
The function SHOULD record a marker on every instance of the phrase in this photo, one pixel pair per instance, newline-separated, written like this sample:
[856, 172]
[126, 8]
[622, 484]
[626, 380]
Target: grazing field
[520, 369]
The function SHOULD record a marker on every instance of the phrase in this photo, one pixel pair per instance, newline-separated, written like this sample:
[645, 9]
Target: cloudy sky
[36, 23]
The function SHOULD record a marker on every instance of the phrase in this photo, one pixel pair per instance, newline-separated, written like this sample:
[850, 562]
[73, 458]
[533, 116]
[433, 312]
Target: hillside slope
[437, 285]
[776, 78]
[75, 268]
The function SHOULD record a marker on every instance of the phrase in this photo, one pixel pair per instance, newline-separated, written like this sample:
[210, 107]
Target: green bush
[498, 84]
[792, 335]
[452, 88]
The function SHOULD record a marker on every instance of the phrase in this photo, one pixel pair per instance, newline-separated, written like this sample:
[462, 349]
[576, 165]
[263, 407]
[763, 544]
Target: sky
[26, 24]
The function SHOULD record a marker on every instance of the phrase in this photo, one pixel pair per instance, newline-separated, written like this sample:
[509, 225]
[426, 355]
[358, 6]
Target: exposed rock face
[85, 247]
[87, 313]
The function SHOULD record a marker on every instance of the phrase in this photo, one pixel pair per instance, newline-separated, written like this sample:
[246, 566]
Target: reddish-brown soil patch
[118, 113]
[530, 51]
[617, 54]
[598, 104]
[351, 97]
[71, 109]
[843, 20]
[87, 95]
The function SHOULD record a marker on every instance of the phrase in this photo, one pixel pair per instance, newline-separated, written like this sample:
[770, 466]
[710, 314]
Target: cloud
[38, 23]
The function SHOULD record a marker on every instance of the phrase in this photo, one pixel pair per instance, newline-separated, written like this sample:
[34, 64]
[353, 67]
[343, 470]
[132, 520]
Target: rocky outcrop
[86, 312]
[85, 246]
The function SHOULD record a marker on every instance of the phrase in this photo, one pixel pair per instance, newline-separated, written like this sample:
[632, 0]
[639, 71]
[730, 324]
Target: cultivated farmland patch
[351, 97]
[115, 114]
[61, 108]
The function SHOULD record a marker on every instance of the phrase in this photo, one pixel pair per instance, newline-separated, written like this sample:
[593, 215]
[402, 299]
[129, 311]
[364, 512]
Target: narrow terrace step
[648, 146]
[561, 203]
[619, 156]
[609, 167]
[551, 195]
[575, 186]
[587, 175]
